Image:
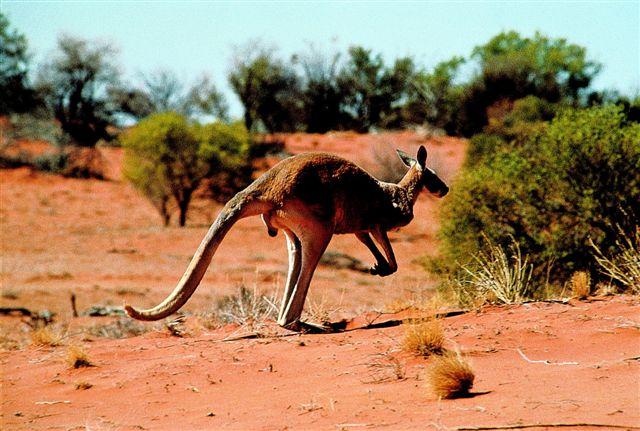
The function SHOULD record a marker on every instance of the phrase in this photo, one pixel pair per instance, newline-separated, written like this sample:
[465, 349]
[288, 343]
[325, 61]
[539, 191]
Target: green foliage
[74, 84]
[232, 145]
[435, 96]
[371, 90]
[167, 158]
[17, 95]
[513, 67]
[483, 147]
[32, 127]
[268, 89]
[322, 99]
[551, 68]
[55, 162]
[164, 92]
[521, 119]
[573, 180]
[510, 127]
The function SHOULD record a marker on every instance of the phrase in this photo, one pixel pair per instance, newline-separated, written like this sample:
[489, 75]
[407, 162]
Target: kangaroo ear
[406, 159]
[422, 156]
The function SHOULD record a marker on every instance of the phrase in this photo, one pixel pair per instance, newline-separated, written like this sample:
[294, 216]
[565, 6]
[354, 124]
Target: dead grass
[321, 311]
[46, 336]
[580, 284]
[247, 307]
[424, 338]
[122, 327]
[450, 376]
[624, 266]
[77, 357]
[385, 367]
[493, 276]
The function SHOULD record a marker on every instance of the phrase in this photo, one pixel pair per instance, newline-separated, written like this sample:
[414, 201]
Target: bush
[232, 145]
[168, 158]
[575, 179]
[623, 267]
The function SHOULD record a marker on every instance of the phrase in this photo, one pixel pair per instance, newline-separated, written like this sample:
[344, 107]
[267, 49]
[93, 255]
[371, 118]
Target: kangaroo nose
[443, 192]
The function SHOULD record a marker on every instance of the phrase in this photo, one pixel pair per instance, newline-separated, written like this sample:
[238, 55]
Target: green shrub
[573, 180]
[33, 127]
[482, 147]
[168, 158]
[51, 162]
[232, 145]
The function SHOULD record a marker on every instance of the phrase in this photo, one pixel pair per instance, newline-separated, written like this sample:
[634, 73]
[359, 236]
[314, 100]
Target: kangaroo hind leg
[313, 240]
[295, 260]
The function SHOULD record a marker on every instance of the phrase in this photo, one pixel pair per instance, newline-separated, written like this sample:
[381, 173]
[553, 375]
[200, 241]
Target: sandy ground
[579, 364]
[535, 363]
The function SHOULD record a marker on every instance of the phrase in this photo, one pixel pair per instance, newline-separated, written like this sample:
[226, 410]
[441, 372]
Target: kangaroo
[311, 197]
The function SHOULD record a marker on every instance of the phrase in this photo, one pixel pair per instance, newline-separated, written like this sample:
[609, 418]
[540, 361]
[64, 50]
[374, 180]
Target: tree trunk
[248, 121]
[183, 205]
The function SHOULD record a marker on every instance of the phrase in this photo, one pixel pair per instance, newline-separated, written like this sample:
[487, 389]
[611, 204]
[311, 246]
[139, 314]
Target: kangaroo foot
[381, 269]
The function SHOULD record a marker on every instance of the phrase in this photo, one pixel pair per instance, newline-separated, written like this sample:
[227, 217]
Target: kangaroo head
[428, 178]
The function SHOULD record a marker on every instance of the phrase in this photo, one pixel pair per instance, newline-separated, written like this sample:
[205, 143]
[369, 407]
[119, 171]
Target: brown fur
[311, 197]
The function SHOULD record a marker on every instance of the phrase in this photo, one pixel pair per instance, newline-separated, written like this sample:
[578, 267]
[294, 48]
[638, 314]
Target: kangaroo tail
[240, 206]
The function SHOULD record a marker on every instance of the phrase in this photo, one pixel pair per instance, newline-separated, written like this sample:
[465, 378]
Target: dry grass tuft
[580, 284]
[624, 266]
[494, 276]
[77, 357]
[122, 327]
[425, 338]
[46, 336]
[450, 376]
[247, 307]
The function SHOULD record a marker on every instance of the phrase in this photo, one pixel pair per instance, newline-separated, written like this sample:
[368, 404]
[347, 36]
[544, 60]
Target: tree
[372, 92]
[75, 85]
[359, 81]
[268, 89]
[512, 67]
[167, 158]
[322, 99]
[434, 96]
[163, 92]
[17, 95]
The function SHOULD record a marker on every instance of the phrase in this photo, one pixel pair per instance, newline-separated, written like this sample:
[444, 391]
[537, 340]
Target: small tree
[167, 158]
[512, 67]
[268, 89]
[163, 92]
[434, 96]
[372, 92]
[17, 95]
[321, 96]
[75, 86]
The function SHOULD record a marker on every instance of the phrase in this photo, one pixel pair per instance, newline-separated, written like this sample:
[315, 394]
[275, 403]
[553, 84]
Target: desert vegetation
[508, 274]
[563, 193]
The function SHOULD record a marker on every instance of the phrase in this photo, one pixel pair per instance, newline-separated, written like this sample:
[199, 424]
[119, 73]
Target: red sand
[105, 243]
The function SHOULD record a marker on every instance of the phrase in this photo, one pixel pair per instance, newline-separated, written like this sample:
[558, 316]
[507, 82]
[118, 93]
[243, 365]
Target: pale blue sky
[194, 37]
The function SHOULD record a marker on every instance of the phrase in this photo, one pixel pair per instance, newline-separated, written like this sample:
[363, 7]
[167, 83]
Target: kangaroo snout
[443, 192]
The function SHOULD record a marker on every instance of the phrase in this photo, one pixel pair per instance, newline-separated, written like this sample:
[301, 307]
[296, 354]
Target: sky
[195, 37]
